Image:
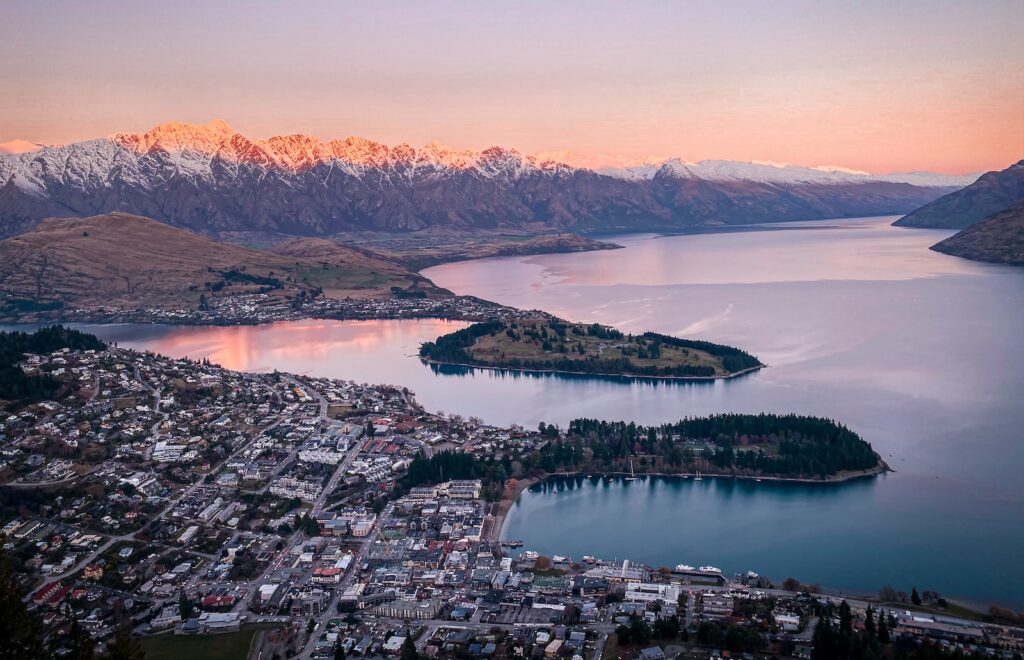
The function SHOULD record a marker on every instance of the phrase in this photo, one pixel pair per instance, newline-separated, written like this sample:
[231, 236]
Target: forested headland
[549, 344]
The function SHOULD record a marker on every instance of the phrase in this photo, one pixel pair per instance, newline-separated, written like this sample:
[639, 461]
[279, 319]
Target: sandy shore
[500, 509]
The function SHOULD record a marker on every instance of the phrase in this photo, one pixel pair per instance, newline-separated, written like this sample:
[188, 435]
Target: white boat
[632, 475]
[682, 568]
[710, 569]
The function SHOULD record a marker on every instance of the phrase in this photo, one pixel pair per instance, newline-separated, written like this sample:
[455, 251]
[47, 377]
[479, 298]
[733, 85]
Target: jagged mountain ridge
[214, 180]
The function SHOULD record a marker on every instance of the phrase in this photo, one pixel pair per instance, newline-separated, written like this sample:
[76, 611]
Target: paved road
[331, 610]
[111, 541]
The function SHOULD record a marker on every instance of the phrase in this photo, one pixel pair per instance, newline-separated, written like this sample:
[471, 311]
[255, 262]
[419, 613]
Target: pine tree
[185, 606]
[869, 621]
[883, 629]
[81, 645]
[845, 619]
[409, 648]
[123, 646]
[915, 598]
[21, 633]
[339, 651]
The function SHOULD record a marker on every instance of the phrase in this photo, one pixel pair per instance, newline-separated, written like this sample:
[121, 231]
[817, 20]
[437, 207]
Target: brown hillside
[354, 266]
[998, 238]
[127, 261]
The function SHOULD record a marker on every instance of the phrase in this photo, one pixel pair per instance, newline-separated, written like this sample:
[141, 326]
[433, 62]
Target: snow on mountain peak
[192, 148]
[19, 147]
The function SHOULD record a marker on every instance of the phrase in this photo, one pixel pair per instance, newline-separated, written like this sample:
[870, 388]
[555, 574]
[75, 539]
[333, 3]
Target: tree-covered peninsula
[763, 445]
[550, 344]
[769, 446]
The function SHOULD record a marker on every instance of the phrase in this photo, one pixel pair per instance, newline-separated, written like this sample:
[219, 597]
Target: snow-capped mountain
[213, 179]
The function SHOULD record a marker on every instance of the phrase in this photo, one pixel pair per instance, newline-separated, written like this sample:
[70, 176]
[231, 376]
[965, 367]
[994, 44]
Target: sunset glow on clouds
[874, 86]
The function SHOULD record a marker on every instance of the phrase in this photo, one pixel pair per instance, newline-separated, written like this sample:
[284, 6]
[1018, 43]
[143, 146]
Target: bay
[917, 351]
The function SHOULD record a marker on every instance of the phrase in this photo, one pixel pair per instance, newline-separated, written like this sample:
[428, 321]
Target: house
[394, 645]
[92, 572]
[652, 653]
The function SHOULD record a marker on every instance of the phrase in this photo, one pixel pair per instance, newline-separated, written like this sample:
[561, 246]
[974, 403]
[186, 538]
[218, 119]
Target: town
[301, 517]
[255, 308]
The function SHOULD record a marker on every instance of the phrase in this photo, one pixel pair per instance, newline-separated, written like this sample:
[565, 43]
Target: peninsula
[548, 344]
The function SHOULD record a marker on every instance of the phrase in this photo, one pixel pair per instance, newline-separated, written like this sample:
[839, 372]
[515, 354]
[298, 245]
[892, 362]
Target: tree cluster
[15, 384]
[802, 446]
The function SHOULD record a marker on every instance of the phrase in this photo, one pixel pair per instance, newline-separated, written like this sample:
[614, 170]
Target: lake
[919, 352]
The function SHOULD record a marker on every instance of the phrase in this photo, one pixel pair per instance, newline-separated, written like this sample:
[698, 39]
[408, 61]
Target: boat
[632, 475]
[710, 569]
[698, 477]
[512, 543]
[682, 568]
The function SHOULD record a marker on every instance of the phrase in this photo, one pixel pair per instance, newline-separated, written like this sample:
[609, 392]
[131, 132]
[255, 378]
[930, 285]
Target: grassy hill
[547, 344]
[343, 270]
[998, 238]
[126, 261]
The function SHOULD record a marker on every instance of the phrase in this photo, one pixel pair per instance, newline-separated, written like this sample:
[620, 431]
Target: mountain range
[213, 180]
[991, 193]
[989, 214]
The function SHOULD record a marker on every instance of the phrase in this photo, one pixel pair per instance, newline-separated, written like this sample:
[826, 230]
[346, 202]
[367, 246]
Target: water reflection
[917, 351]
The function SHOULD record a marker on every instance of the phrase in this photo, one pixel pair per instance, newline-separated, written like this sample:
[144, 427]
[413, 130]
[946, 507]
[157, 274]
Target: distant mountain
[125, 261]
[214, 180]
[998, 238]
[991, 193]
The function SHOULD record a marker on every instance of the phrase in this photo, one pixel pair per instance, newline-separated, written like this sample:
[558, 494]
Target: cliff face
[991, 193]
[213, 180]
[998, 238]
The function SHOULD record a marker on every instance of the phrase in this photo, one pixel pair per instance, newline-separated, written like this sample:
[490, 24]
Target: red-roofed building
[217, 601]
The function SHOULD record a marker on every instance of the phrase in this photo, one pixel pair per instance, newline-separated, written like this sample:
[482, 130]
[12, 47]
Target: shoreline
[502, 507]
[527, 370]
[508, 499]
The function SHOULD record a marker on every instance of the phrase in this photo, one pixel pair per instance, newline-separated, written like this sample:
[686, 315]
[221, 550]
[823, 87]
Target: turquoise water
[919, 352]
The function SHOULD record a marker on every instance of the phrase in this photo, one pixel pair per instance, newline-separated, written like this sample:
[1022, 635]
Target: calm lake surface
[919, 352]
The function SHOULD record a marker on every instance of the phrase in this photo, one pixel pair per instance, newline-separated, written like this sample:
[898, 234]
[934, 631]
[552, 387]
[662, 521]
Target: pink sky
[875, 86]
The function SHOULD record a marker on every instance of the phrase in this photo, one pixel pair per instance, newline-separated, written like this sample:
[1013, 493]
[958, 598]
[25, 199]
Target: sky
[874, 86]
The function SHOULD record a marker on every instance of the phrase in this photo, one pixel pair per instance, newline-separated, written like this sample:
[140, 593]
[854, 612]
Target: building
[406, 609]
[289, 487]
[651, 592]
[213, 622]
[169, 616]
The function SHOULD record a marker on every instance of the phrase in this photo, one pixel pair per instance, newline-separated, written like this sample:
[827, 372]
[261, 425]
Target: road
[331, 610]
[111, 541]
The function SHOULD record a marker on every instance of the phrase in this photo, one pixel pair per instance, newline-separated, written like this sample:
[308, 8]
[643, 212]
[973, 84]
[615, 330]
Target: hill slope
[346, 269]
[991, 193]
[216, 181]
[125, 261]
[998, 238]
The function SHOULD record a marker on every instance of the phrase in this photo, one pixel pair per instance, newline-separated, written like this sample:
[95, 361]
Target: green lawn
[228, 646]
